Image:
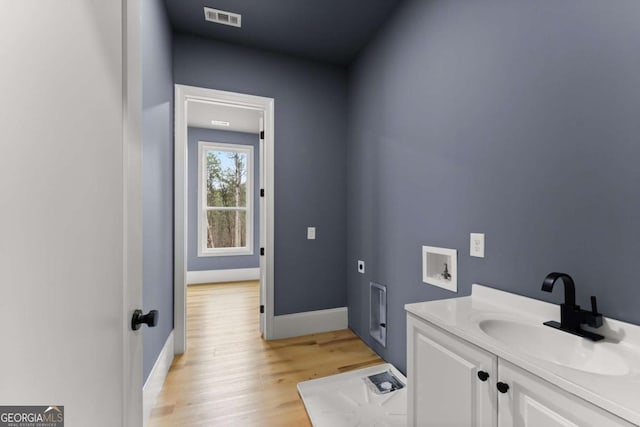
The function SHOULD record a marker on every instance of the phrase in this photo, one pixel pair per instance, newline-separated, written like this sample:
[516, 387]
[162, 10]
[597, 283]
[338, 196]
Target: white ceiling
[200, 114]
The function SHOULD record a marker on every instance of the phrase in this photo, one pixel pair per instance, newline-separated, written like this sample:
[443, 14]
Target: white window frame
[203, 251]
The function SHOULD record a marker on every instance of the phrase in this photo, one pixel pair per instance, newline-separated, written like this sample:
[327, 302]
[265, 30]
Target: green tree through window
[227, 186]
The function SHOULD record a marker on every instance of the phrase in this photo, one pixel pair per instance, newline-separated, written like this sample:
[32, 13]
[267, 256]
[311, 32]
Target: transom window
[225, 189]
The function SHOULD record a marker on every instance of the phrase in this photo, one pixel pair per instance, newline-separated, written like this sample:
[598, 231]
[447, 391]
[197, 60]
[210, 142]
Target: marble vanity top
[605, 373]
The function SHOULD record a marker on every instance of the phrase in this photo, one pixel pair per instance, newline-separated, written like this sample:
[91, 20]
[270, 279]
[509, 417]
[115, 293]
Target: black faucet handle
[595, 319]
[594, 305]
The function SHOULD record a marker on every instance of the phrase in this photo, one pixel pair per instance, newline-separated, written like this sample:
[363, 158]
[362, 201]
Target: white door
[69, 209]
[445, 388]
[530, 401]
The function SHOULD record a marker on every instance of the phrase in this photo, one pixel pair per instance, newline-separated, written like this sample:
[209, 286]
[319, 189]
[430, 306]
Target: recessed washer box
[440, 267]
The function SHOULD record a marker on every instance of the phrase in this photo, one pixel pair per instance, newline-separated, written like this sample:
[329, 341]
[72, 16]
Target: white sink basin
[552, 345]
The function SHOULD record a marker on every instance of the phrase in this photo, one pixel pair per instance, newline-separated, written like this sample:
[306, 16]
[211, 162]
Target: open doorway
[229, 137]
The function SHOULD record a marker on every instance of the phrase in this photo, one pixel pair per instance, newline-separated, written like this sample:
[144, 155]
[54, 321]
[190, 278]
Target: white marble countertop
[618, 394]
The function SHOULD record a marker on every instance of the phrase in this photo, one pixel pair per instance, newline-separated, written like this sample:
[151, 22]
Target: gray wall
[310, 165]
[195, 263]
[157, 177]
[515, 119]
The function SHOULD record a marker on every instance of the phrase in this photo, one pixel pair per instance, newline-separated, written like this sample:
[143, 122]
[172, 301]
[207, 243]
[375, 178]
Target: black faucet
[571, 315]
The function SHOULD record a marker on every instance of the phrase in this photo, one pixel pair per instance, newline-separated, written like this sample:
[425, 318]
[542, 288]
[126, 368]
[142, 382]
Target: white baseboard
[154, 383]
[217, 276]
[310, 322]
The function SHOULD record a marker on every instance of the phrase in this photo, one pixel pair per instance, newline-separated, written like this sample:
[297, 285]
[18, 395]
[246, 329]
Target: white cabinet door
[533, 402]
[442, 376]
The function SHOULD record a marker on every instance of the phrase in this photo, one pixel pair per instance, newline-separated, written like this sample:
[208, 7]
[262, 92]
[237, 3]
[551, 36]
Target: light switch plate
[311, 233]
[360, 267]
[476, 247]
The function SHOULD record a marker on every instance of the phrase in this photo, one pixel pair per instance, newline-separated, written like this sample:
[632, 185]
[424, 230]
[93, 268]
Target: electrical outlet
[476, 246]
[360, 267]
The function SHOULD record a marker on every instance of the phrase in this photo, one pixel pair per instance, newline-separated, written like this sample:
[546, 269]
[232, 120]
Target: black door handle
[150, 319]
[483, 375]
[502, 387]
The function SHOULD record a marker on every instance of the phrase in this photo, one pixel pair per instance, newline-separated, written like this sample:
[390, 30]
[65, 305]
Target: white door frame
[132, 201]
[184, 94]
[263, 227]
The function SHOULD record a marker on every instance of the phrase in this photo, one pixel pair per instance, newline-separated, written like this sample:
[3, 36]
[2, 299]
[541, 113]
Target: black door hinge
[261, 134]
[261, 251]
[262, 192]
[262, 309]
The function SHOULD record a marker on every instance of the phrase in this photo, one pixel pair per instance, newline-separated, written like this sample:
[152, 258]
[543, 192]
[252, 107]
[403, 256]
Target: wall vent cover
[378, 312]
[222, 17]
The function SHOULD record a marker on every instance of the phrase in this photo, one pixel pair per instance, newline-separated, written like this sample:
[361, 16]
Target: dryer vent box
[378, 313]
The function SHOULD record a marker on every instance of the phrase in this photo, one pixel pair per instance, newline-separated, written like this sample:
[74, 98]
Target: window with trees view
[225, 214]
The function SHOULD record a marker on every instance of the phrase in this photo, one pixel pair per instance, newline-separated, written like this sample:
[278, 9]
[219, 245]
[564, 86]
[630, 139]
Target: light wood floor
[229, 376]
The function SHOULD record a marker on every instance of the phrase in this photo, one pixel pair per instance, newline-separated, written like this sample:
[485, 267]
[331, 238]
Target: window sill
[223, 253]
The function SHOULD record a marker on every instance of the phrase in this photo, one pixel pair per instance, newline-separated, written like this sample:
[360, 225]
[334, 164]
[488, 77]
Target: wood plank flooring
[230, 376]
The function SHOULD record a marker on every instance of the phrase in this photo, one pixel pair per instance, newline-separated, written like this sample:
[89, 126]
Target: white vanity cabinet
[442, 379]
[531, 402]
[452, 382]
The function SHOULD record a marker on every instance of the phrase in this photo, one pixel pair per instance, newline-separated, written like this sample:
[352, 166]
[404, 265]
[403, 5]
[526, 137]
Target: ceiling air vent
[222, 17]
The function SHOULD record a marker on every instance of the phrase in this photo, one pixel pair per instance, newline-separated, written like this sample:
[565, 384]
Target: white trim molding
[184, 95]
[219, 276]
[310, 322]
[158, 374]
[203, 251]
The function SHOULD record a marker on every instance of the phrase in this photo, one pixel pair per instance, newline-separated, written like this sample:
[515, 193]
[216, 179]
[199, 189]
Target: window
[225, 189]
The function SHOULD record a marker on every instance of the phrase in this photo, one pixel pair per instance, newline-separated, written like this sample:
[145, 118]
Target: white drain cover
[346, 400]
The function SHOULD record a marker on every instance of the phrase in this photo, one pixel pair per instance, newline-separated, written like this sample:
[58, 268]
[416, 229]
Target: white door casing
[132, 213]
[70, 252]
[263, 226]
[183, 96]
